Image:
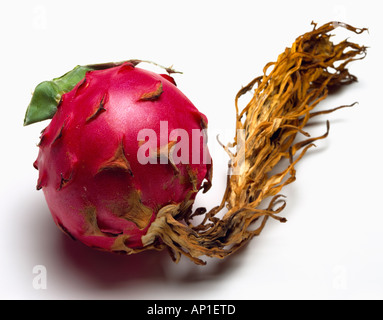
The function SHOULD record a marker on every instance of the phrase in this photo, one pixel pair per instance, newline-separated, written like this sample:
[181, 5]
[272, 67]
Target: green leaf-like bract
[47, 95]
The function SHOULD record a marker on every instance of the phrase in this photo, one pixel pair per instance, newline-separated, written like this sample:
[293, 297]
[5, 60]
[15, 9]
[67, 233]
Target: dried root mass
[282, 104]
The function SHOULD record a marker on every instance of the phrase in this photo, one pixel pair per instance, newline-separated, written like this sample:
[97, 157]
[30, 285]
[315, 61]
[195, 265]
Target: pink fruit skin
[95, 187]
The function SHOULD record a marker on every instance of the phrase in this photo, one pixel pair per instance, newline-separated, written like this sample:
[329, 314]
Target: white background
[331, 246]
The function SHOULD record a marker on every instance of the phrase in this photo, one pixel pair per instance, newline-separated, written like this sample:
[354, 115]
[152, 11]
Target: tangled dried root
[267, 127]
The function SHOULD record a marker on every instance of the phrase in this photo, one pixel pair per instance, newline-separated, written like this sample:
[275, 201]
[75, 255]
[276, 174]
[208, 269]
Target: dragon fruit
[103, 179]
[113, 166]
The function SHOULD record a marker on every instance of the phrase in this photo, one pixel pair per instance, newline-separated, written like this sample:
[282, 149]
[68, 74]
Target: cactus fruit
[100, 192]
[96, 186]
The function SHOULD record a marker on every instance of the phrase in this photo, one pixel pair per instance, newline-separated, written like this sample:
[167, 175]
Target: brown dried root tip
[280, 108]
